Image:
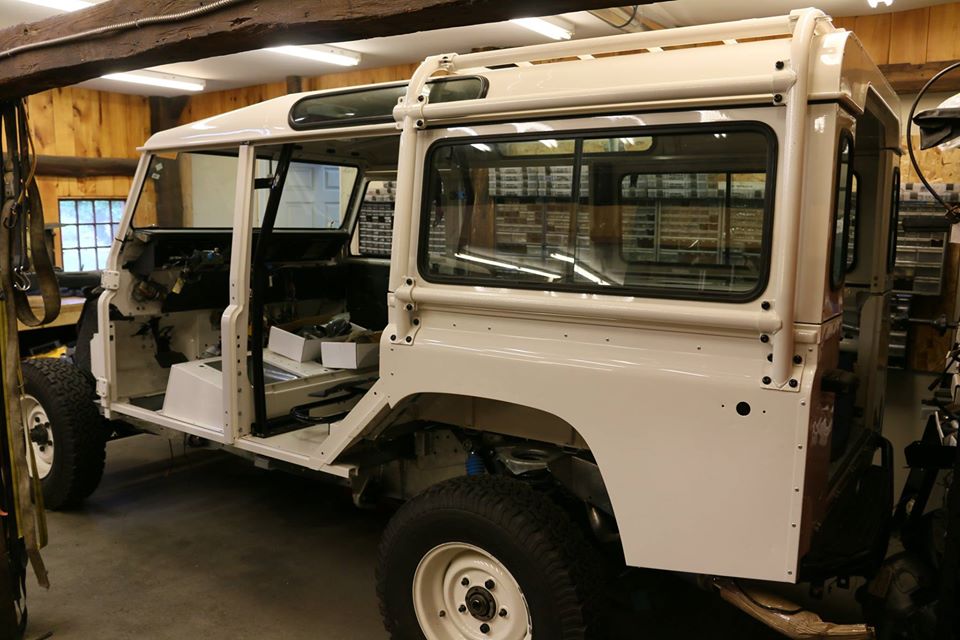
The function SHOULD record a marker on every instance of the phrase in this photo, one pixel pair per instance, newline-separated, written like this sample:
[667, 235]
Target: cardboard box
[290, 345]
[343, 353]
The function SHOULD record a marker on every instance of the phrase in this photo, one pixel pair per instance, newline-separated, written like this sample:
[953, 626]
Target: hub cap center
[481, 604]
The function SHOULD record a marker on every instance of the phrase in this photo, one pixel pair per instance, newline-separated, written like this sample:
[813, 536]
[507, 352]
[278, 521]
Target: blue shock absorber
[475, 464]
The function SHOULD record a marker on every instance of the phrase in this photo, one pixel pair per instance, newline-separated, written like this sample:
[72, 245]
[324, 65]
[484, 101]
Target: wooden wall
[910, 45]
[85, 123]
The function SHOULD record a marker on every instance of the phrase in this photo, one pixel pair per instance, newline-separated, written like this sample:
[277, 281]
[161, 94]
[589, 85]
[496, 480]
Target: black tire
[79, 438]
[557, 570]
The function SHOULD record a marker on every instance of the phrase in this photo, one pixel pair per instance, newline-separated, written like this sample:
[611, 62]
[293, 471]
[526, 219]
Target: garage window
[681, 213]
[87, 229]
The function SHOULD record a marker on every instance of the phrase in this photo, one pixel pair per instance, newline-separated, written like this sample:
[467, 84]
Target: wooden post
[165, 114]
[294, 84]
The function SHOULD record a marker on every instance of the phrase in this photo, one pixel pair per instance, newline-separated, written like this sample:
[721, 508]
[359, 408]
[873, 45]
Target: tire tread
[79, 435]
[571, 566]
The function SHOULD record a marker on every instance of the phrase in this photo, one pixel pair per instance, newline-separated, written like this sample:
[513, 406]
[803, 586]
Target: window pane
[102, 255]
[315, 196]
[116, 210]
[841, 212]
[68, 236]
[68, 211]
[681, 212]
[87, 236]
[88, 260]
[375, 230]
[495, 215]
[71, 260]
[852, 231]
[101, 209]
[84, 211]
[103, 235]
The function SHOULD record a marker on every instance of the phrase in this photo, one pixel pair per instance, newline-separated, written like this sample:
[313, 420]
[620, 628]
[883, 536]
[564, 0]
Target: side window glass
[894, 221]
[841, 211]
[854, 223]
[673, 214]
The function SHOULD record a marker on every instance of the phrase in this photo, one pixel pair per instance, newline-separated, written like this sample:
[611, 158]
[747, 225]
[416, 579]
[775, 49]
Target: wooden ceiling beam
[910, 78]
[247, 25]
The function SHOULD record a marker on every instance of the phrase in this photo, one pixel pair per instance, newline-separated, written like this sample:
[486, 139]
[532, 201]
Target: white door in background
[311, 197]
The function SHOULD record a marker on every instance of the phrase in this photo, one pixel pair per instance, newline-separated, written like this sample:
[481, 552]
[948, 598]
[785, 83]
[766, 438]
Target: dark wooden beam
[69, 167]
[910, 78]
[248, 25]
[165, 114]
[294, 84]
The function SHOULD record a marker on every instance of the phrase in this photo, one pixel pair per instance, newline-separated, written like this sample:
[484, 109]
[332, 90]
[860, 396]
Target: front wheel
[63, 426]
[486, 557]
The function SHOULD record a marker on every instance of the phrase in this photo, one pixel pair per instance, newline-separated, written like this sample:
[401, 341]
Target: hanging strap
[21, 226]
[23, 244]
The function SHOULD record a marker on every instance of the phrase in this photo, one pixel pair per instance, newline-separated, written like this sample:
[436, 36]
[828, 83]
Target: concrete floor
[200, 544]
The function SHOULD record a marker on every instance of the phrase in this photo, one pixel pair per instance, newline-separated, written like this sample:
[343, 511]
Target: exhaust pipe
[786, 617]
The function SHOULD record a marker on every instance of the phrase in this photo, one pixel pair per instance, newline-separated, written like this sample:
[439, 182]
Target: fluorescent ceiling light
[61, 5]
[551, 28]
[876, 3]
[329, 55]
[155, 79]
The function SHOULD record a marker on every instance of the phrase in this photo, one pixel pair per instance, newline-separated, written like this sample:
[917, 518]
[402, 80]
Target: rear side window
[894, 221]
[842, 203]
[660, 213]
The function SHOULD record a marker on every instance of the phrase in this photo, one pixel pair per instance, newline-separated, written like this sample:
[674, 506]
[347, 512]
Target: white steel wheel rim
[452, 599]
[34, 415]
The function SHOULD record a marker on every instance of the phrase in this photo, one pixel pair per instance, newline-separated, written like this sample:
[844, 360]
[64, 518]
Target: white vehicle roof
[742, 72]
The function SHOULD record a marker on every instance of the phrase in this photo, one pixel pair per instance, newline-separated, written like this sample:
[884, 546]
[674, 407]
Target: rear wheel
[64, 429]
[486, 557]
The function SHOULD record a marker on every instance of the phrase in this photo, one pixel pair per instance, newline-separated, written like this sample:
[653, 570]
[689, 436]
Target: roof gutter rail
[679, 36]
[760, 85]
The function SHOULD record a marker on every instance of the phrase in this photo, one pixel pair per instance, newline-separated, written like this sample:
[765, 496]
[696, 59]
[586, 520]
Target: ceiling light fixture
[329, 55]
[876, 3]
[156, 79]
[61, 5]
[552, 28]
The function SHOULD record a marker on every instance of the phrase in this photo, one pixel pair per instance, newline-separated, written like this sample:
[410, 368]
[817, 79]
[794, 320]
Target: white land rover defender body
[620, 262]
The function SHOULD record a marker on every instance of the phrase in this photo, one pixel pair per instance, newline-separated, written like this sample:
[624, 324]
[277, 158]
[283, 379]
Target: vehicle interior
[304, 270]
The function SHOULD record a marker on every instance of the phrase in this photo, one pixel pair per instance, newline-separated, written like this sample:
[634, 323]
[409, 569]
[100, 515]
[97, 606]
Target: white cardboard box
[350, 355]
[290, 345]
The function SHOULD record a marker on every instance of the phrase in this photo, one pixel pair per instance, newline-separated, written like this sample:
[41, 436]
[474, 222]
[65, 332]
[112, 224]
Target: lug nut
[484, 628]
[503, 613]
[442, 614]
[462, 608]
[490, 584]
[465, 582]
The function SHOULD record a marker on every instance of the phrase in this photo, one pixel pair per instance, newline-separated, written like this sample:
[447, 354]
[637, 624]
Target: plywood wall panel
[908, 37]
[874, 33]
[943, 42]
[84, 123]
